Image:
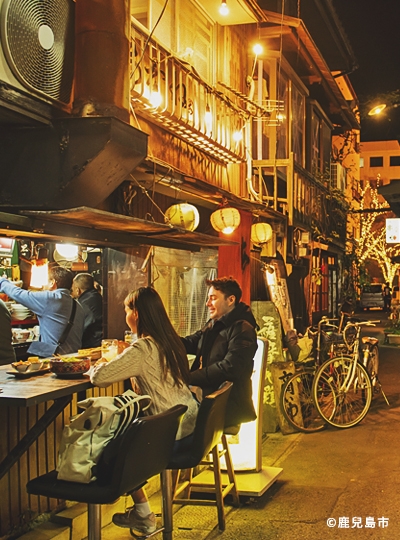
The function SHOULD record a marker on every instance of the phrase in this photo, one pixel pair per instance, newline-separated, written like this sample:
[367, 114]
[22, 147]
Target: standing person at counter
[159, 363]
[224, 349]
[7, 353]
[91, 300]
[54, 310]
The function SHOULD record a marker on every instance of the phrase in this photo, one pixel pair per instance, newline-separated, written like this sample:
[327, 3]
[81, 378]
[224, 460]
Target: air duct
[73, 162]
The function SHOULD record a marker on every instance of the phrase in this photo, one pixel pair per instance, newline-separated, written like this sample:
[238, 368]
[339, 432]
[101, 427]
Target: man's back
[92, 304]
[7, 354]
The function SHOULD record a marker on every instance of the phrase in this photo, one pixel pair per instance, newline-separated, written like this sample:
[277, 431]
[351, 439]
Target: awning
[93, 226]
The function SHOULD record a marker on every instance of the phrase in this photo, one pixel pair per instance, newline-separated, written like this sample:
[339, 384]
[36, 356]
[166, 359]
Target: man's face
[75, 291]
[51, 284]
[218, 305]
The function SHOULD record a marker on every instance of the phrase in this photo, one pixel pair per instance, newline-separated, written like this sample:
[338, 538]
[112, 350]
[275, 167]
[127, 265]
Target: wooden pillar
[102, 52]
[235, 260]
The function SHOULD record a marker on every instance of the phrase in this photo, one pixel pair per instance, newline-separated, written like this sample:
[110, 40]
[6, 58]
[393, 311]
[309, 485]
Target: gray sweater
[142, 361]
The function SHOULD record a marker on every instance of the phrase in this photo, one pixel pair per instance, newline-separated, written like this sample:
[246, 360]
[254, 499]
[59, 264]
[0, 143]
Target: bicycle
[296, 399]
[342, 388]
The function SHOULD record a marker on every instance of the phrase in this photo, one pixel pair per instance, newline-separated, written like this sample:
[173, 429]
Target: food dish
[93, 354]
[69, 365]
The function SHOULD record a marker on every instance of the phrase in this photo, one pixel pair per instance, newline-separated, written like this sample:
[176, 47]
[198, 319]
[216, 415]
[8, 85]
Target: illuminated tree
[372, 242]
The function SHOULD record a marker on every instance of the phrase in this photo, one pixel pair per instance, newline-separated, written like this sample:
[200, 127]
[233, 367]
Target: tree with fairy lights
[372, 242]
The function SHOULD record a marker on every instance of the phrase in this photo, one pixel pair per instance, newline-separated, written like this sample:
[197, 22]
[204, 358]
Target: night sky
[373, 30]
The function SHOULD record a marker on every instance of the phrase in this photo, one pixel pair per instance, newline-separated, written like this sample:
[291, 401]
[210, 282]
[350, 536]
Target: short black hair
[84, 281]
[228, 286]
[62, 276]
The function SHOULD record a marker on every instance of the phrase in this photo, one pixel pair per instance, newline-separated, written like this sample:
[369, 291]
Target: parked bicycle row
[336, 375]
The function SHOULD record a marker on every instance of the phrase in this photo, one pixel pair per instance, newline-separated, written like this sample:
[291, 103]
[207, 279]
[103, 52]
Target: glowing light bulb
[67, 251]
[224, 10]
[155, 99]
[237, 136]
[257, 49]
[377, 109]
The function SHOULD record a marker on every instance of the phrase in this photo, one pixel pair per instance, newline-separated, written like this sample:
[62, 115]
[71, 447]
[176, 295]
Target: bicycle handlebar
[363, 323]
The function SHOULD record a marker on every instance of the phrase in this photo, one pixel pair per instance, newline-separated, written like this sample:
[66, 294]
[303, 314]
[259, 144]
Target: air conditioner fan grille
[38, 41]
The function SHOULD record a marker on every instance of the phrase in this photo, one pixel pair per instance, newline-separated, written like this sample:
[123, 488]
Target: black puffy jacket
[224, 352]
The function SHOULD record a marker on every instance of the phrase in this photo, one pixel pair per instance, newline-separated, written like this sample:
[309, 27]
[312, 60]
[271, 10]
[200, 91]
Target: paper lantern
[39, 273]
[225, 220]
[261, 233]
[183, 215]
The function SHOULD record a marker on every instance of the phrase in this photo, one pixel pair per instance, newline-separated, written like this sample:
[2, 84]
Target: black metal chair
[143, 451]
[208, 433]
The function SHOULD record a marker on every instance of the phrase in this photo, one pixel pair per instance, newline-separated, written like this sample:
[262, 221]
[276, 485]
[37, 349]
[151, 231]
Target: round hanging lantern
[183, 215]
[225, 220]
[261, 233]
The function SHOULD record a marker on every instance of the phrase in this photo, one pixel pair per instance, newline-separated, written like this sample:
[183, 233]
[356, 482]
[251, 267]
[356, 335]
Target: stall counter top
[24, 392]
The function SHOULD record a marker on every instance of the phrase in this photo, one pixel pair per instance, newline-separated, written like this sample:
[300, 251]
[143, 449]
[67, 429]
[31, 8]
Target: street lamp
[378, 109]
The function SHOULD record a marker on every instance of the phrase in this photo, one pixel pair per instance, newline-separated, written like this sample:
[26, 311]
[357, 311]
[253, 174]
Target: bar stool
[141, 452]
[208, 433]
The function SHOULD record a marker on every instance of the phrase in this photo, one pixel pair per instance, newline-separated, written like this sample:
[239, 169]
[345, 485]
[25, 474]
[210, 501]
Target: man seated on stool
[225, 349]
[90, 299]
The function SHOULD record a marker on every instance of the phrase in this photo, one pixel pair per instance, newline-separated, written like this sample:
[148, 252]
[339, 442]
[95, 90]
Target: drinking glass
[109, 349]
[130, 337]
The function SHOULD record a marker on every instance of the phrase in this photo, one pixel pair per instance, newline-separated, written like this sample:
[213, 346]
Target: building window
[376, 161]
[361, 162]
[321, 142]
[395, 161]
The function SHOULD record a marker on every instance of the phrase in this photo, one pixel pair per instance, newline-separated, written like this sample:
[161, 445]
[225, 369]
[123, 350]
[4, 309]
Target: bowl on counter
[35, 363]
[21, 366]
[69, 365]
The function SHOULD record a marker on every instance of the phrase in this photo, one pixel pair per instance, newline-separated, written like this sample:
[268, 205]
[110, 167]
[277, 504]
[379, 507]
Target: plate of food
[29, 368]
[93, 353]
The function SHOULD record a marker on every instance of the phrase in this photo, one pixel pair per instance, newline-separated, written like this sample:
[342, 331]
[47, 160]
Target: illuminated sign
[6, 245]
[393, 231]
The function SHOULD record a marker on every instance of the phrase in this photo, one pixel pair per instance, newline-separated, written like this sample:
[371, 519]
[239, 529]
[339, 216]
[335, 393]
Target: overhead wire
[149, 38]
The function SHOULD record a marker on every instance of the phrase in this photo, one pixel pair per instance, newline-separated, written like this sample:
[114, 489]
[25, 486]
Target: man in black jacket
[92, 302]
[225, 349]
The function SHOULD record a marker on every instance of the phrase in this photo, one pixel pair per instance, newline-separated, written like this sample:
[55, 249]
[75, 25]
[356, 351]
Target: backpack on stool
[85, 438]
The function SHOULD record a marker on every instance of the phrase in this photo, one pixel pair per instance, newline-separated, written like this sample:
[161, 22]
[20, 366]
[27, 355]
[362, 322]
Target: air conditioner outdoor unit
[338, 176]
[37, 47]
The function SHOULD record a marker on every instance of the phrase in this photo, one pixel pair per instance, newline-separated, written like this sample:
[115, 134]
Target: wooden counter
[24, 392]
[34, 412]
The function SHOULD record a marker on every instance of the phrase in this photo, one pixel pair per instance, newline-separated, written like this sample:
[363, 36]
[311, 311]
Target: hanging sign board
[393, 231]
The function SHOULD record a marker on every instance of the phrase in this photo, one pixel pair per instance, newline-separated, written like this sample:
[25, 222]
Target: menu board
[275, 278]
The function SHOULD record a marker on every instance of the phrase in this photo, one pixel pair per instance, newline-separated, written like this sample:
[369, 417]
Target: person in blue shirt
[91, 300]
[53, 308]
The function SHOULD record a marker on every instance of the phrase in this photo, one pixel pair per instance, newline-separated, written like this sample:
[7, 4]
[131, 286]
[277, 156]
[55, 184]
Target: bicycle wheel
[373, 364]
[350, 397]
[297, 404]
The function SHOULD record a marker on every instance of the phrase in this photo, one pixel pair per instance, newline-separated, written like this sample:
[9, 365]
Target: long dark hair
[154, 321]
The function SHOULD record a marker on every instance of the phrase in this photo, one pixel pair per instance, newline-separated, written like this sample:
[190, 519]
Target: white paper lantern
[225, 220]
[261, 233]
[183, 215]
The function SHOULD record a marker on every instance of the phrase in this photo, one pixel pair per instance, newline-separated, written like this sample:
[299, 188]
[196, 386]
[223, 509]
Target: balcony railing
[171, 93]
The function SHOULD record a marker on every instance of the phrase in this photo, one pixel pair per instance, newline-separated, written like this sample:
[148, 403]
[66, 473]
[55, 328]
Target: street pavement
[337, 483]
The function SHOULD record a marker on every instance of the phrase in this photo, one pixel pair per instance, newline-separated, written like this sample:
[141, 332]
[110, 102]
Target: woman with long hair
[159, 364]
